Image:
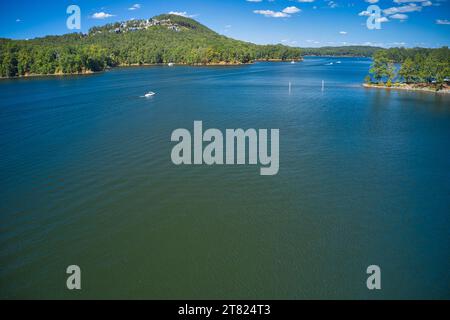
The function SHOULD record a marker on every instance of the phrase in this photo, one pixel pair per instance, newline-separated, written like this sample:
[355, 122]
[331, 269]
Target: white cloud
[398, 44]
[291, 10]
[372, 1]
[272, 14]
[382, 19]
[135, 6]
[182, 14]
[101, 15]
[254, 0]
[408, 1]
[442, 21]
[332, 4]
[343, 32]
[399, 16]
[424, 3]
[289, 42]
[286, 13]
[403, 9]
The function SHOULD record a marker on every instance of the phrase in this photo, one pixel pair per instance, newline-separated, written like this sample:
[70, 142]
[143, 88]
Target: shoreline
[37, 75]
[336, 56]
[278, 60]
[406, 87]
[222, 63]
[84, 73]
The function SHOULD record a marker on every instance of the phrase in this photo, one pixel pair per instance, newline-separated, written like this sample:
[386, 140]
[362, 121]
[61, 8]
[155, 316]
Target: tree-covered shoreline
[344, 51]
[415, 68]
[162, 39]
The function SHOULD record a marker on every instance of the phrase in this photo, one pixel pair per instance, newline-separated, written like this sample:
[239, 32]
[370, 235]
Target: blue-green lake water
[86, 178]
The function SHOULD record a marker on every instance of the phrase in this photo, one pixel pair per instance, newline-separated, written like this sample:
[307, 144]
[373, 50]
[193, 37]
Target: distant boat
[329, 64]
[149, 94]
[339, 62]
[171, 64]
[293, 62]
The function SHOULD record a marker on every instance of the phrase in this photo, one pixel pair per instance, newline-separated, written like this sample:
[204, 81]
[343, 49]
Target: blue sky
[304, 23]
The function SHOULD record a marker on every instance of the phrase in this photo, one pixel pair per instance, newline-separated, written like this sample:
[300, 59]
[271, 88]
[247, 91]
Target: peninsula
[415, 69]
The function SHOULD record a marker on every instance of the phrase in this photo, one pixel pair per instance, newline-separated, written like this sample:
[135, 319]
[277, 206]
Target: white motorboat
[149, 94]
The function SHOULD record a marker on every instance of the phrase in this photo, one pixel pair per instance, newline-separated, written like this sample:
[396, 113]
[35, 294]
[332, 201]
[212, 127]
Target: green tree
[408, 70]
[382, 67]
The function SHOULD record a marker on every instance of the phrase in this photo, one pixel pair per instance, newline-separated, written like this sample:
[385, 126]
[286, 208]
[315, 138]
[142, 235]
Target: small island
[415, 69]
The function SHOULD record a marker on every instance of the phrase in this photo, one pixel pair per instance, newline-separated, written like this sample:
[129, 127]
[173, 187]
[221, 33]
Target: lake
[86, 179]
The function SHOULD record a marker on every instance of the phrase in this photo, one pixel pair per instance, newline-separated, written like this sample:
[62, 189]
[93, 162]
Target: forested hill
[162, 39]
